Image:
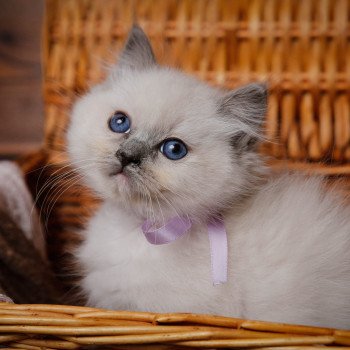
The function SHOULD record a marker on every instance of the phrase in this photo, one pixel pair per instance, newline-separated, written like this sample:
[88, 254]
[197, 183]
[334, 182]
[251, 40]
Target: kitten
[157, 144]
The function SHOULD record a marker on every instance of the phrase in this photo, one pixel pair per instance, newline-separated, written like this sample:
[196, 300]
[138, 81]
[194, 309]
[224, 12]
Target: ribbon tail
[218, 251]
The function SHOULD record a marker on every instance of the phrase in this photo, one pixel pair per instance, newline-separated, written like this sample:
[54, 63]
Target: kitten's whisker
[151, 180]
[160, 209]
[58, 170]
[51, 180]
[72, 182]
[170, 204]
[164, 198]
[54, 200]
[46, 166]
[150, 206]
[48, 199]
[49, 183]
[57, 180]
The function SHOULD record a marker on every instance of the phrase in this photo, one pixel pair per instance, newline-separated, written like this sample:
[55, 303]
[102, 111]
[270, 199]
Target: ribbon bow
[178, 226]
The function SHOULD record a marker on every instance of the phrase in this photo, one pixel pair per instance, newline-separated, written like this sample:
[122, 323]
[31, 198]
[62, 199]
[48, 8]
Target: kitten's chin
[123, 183]
[121, 179]
[126, 186]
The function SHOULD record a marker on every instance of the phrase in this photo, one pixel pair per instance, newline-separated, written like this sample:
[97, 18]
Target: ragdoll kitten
[157, 144]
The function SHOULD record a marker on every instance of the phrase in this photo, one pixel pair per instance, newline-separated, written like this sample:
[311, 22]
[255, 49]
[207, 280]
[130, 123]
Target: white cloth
[5, 299]
[16, 200]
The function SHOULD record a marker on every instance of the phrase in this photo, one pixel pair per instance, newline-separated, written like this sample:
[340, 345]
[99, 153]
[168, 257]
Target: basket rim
[70, 327]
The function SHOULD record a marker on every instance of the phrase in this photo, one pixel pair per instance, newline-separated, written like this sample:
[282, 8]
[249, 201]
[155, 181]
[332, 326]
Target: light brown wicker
[70, 327]
[300, 47]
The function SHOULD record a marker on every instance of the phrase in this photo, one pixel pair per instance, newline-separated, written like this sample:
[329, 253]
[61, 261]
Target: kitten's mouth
[123, 175]
[116, 170]
[126, 178]
[119, 170]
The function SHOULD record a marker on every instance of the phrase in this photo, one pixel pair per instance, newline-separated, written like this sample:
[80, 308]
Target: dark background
[21, 106]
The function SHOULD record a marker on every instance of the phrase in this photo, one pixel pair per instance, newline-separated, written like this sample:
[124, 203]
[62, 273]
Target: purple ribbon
[218, 250]
[172, 230]
[178, 226]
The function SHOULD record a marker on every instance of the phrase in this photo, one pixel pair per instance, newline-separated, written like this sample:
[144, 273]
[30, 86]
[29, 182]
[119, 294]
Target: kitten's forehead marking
[152, 135]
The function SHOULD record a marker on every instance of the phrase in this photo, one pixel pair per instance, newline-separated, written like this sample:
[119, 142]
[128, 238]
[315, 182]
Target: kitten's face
[162, 142]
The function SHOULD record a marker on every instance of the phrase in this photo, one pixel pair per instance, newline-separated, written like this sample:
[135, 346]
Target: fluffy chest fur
[133, 274]
[288, 261]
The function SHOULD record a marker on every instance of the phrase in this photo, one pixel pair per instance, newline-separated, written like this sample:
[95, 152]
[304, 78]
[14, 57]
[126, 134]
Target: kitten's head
[164, 143]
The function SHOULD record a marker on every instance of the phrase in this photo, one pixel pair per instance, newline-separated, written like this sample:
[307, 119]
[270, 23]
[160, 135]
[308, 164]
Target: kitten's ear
[246, 108]
[137, 53]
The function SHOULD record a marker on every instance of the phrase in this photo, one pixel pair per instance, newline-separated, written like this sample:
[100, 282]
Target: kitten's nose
[132, 151]
[126, 158]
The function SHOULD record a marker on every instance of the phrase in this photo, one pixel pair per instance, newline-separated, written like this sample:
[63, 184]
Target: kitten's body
[289, 242]
[286, 260]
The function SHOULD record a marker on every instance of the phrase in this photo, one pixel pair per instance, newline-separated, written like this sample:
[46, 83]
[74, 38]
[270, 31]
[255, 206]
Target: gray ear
[246, 107]
[137, 53]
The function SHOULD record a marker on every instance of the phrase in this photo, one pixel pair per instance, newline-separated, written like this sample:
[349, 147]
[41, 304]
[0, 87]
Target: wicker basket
[36, 327]
[301, 47]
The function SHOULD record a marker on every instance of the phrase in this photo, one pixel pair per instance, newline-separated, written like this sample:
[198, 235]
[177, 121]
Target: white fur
[289, 261]
[289, 240]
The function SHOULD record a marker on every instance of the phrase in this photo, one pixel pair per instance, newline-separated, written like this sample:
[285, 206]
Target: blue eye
[119, 122]
[173, 149]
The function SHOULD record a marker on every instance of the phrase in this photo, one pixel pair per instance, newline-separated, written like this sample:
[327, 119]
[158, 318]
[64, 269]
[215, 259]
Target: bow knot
[178, 226]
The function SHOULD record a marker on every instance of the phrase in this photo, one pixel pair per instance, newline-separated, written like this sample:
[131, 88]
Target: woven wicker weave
[301, 47]
[36, 327]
